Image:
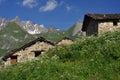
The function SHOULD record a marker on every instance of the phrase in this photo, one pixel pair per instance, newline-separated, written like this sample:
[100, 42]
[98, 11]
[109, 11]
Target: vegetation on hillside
[2, 51]
[13, 37]
[92, 58]
[53, 36]
[56, 35]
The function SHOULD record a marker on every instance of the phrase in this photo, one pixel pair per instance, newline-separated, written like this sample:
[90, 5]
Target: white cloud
[29, 3]
[50, 5]
[68, 8]
[65, 5]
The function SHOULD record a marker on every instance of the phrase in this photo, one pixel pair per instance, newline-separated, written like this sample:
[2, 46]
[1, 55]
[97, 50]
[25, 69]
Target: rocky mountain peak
[3, 23]
[17, 19]
[77, 28]
[28, 26]
[32, 28]
[52, 28]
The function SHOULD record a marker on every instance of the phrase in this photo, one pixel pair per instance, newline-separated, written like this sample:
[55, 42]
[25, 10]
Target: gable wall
[27, 54]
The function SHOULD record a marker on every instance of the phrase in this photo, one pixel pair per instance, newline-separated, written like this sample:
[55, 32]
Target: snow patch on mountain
[3, 23]
[33, 28]
[28, 26]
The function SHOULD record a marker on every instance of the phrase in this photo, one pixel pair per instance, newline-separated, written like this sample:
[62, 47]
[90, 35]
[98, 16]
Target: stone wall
[28, 54]
[65, 42]
[7, 62]
[107, 26]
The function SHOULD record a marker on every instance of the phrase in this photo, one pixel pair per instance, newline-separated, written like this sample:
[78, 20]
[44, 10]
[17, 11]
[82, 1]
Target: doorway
[13, 59]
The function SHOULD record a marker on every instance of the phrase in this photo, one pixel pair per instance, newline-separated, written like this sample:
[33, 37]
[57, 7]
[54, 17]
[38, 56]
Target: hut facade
[65, 41]
[28, 51]
[95, 24]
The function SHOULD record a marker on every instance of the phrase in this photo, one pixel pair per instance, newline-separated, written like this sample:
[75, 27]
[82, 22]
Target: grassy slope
[94, 58]
[2, 51]
[53, 36]
[69, 32]
[57, 35]
[8, 32]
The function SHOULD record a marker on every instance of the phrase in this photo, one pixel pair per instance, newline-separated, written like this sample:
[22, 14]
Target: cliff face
[77, 28]
[3, 23]
[30, 27]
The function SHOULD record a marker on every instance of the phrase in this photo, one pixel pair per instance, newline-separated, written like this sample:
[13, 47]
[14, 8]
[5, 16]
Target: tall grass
[93, 58]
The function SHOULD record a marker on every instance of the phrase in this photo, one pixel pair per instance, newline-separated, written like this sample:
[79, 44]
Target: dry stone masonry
[28, 52]
[31, 50]
[108, 26]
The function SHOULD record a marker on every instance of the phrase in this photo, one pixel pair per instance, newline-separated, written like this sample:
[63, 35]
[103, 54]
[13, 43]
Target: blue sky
[59, 13]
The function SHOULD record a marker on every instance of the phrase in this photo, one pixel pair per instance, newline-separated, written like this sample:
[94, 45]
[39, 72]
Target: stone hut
[95, 24]
[28, 51]
[65, 41]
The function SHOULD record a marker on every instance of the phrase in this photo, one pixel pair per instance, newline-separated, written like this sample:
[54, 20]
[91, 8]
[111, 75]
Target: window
[37, 53]
[115, 23]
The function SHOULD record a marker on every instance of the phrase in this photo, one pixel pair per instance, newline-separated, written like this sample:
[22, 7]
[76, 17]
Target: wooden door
[13, 59]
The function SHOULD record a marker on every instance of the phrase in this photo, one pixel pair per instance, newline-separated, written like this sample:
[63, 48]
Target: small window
[37, 53]
[115, 23]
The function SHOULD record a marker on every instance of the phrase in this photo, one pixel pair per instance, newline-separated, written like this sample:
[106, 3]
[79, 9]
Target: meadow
[91, 58]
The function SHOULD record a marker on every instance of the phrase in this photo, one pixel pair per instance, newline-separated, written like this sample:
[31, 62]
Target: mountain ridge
[34, 28]
[15, 33]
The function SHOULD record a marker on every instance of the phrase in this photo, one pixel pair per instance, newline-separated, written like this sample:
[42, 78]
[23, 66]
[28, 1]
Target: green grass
[93, 58]
[13, 37]
[2, 51]
[55, 35]
[11, 27]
